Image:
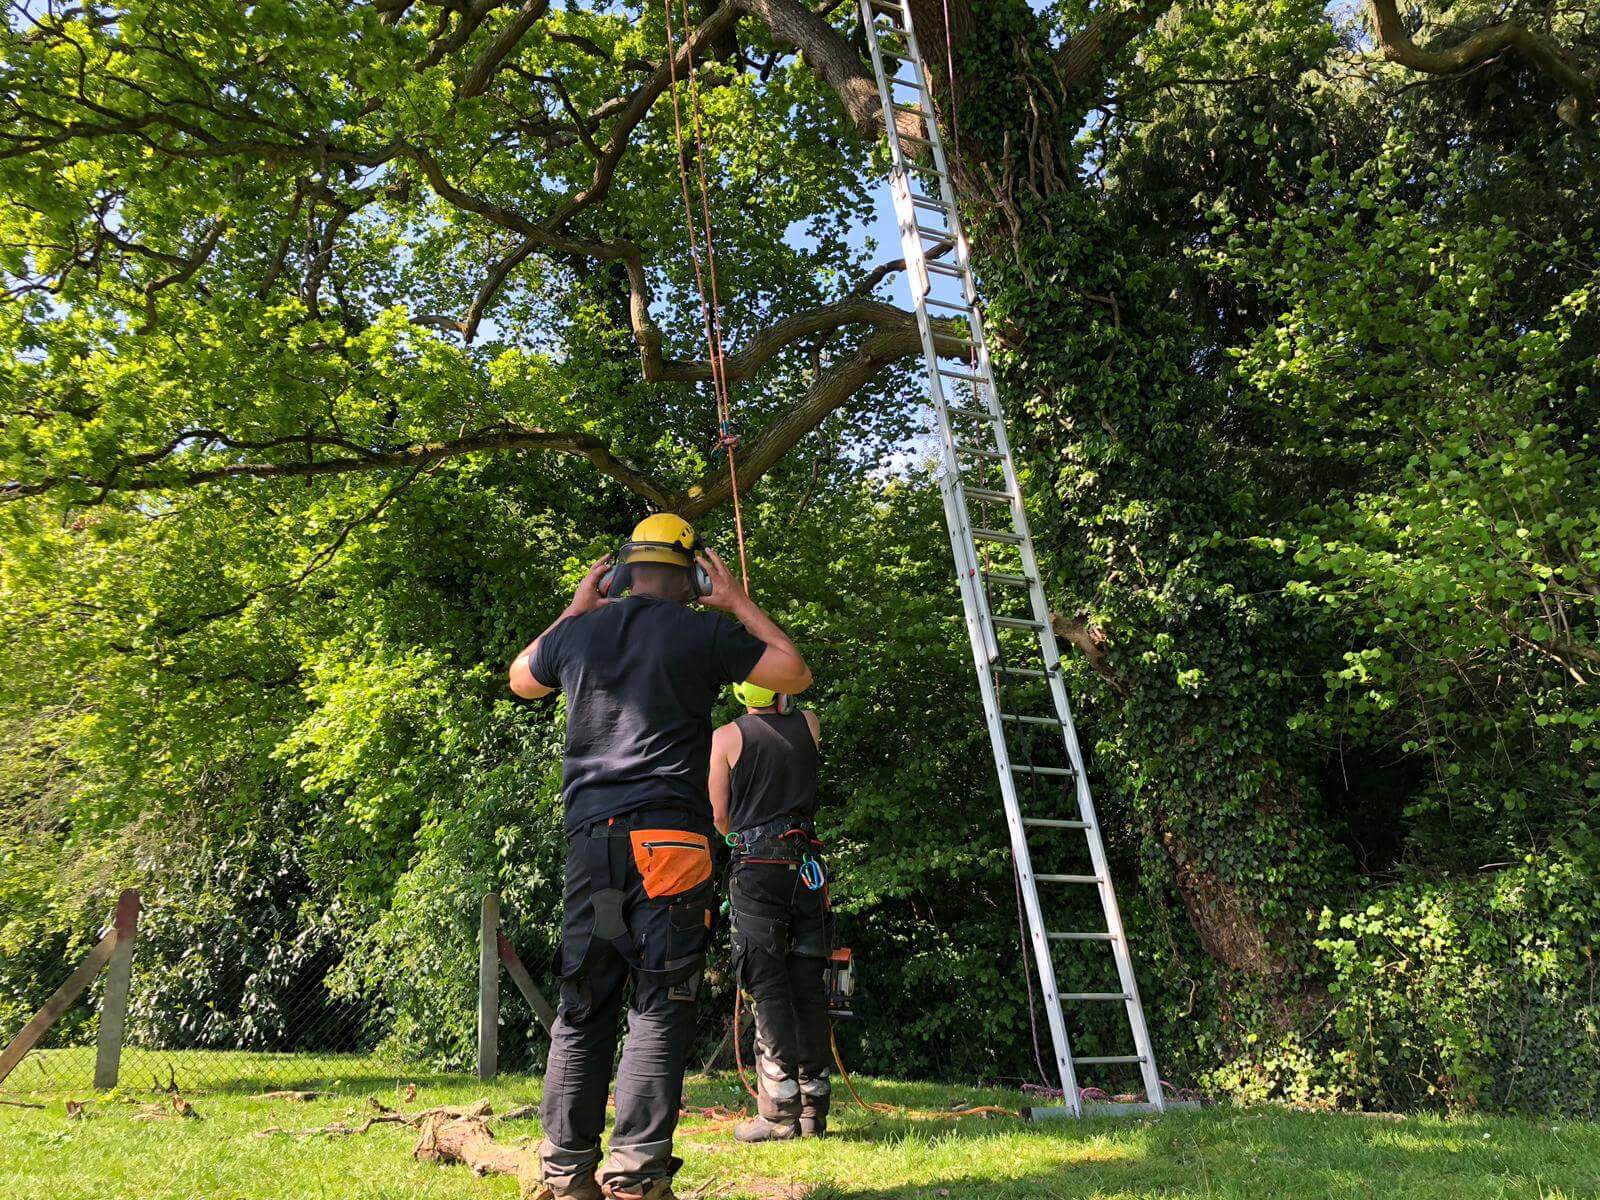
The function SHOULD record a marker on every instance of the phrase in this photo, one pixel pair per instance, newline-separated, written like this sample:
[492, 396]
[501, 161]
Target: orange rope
[738, 1050]
[710, 308]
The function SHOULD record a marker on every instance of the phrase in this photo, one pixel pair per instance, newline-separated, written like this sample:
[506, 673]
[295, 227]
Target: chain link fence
[218, 1001]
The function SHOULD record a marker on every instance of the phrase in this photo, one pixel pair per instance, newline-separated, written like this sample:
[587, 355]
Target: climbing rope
[710, 305]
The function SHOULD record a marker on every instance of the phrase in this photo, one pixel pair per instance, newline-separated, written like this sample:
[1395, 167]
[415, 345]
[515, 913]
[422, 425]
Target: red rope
[738, 1050]
[710, 308]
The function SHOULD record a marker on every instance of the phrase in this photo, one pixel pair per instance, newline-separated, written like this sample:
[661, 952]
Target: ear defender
[614, 581]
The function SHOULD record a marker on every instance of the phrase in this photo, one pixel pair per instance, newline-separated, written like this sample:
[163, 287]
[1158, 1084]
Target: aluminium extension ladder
[1008, 619]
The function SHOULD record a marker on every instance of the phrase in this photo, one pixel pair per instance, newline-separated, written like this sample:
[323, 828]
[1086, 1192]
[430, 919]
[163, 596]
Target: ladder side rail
[1122, 952]
[957, 518]
[936, 147]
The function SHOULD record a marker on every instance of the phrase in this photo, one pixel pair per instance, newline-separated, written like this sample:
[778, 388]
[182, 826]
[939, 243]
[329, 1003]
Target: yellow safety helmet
[662, 538]
[753, 695]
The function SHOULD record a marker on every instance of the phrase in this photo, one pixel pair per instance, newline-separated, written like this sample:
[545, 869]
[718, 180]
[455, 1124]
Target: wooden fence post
[33, 1032]
[114, 1004]
[489, 987]
[542, 1007]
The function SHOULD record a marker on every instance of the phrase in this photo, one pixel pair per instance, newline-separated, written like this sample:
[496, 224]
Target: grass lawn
[1221, 1152]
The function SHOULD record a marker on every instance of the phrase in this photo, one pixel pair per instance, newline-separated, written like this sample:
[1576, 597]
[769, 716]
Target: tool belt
[788, 839]
[602, 851]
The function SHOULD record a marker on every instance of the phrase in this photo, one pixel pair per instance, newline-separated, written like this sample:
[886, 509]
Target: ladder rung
[964, 376]
[1006, 578]
[907, 108]
[913, 137]
[1010, 539]
[1068, 772]
[1082, 937]
[1091, 995]
[1023, 673]
[979, 452]
[955, 272]
[916, 83]
[1016, 718]
[885, 6]
[942, 235]
[950, 304]
[1075, 879]
[1058, 823]
[997, 498]
[979, 413]
[1103, 1059]
[938, 206]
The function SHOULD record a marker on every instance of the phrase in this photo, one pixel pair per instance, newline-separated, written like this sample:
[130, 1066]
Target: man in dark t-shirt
[640, 675]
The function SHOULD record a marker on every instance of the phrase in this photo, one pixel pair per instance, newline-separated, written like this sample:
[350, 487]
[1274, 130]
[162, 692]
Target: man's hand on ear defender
[587, 597]
[725, 593]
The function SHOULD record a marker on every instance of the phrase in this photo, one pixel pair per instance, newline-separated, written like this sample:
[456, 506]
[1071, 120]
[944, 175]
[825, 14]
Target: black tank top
[776, 775]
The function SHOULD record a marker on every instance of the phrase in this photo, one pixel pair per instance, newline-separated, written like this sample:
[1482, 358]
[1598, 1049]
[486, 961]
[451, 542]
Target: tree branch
[1091, 641]
[1551, 60]
[1082, 61]
[482, 71]
[826, 53]
[743, 365]
[758, 455]
[500, 438]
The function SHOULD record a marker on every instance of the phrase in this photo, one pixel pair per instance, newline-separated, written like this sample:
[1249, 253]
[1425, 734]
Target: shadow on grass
[1243, 1154]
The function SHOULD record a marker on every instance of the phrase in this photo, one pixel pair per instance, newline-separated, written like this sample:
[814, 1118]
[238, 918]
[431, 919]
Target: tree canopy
[341, 335]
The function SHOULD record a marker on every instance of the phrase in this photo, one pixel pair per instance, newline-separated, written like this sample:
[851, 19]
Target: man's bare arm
[587, 597]
[725, 746]
[815, 724]
[780, 668]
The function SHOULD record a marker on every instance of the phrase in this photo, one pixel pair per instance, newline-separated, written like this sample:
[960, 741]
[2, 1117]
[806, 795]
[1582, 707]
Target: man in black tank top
[764, 796]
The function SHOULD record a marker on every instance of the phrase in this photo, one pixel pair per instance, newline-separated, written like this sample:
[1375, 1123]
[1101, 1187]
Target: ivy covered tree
[340, 334]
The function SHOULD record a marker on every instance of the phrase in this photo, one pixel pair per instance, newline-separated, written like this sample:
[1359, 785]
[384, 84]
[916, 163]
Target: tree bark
[467, 1140]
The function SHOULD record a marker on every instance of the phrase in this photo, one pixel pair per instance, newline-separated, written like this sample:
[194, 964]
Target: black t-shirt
[641, 675]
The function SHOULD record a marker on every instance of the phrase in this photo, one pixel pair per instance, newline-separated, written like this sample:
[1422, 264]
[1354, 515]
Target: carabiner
[811, 873]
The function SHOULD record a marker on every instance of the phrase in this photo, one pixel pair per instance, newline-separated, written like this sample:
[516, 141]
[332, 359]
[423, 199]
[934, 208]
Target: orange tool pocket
[672, 861]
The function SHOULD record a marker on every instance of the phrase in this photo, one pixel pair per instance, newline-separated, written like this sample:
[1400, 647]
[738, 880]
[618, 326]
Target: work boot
[586, 1189]
[759, 1129]
[658, 1189]
[816, 1094]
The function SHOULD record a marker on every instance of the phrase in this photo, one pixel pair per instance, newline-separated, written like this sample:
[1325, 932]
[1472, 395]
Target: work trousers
[637, 908]
[781, 936]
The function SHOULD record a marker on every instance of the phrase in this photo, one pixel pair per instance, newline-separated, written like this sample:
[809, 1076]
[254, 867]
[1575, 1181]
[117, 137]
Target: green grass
[1223, 1152]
